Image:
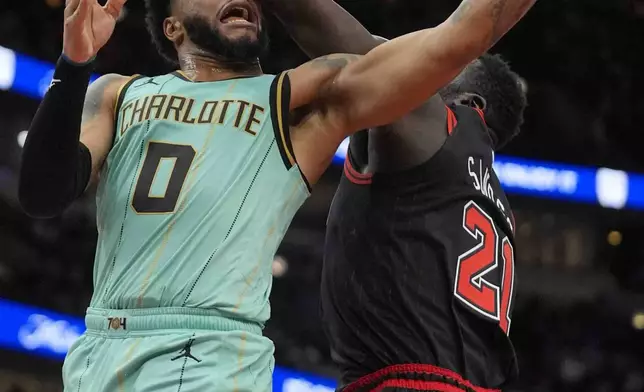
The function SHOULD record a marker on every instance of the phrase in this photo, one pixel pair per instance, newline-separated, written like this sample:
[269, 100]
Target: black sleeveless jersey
[419, 264]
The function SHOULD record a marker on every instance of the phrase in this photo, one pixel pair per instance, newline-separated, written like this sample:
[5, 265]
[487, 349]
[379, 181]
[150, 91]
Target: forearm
[478, 24]
[322, 27]
[417, 65]
[50, 174]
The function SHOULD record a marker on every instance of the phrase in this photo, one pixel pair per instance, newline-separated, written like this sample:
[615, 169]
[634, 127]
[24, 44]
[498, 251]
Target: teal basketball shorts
[168, 350]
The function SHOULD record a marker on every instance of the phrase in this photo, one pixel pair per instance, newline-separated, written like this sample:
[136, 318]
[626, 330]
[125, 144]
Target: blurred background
[572, 177]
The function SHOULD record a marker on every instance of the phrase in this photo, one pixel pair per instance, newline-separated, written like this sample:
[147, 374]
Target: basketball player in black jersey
[418, 276]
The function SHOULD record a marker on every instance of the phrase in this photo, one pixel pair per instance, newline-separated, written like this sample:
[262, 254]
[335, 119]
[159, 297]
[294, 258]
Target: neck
[206, 68]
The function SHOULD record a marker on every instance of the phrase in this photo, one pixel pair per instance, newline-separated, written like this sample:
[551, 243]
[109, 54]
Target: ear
[173, 29]
[479, 102]
[472, 100]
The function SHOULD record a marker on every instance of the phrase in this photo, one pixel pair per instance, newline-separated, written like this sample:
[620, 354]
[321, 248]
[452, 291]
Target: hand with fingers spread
[88, 27]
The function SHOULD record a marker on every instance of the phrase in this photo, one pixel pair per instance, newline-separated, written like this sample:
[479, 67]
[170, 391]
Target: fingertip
[114, 7]
[71, 6]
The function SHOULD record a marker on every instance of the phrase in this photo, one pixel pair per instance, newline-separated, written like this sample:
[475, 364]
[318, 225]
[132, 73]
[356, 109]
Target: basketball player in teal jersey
[200, 172]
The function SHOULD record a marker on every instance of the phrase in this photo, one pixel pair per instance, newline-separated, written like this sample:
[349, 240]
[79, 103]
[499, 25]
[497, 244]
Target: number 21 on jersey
[470, 286]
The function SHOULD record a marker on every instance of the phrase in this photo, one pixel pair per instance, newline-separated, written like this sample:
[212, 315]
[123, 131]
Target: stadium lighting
[280, 266]
[22, 136]
[638, 321]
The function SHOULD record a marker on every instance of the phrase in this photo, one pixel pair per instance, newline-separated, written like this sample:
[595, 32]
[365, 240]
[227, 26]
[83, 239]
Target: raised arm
[322, 27]
[66, 145]
[394, 78]
[399, 75]
[72, 131]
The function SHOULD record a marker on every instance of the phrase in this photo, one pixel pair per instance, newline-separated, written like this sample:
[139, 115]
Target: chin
[248, 37]
[242, 35]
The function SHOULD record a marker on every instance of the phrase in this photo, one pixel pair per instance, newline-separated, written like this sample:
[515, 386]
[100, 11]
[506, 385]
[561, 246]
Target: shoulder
[412, 140]
[108, 86]
[110, 81]
[103, 94]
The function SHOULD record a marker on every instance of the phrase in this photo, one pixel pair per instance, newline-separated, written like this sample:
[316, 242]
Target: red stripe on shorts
[393, 377]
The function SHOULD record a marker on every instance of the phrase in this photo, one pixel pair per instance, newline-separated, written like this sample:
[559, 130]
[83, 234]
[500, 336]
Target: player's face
[230, 29]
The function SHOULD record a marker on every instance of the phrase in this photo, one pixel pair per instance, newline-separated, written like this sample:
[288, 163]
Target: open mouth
[237, 14]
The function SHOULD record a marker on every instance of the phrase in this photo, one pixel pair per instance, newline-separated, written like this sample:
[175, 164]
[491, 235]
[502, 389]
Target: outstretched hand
[88, 27]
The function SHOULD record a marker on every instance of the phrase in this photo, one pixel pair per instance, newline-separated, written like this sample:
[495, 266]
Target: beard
[239, 54]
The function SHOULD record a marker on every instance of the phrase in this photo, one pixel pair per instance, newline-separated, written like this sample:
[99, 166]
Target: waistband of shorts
[415, 377]
[130, 320]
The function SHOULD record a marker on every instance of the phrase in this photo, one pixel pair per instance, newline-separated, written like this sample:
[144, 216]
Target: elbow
[45, 191]
[40, 209]
[38, 203]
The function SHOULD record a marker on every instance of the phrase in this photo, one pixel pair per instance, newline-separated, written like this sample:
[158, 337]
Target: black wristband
[69, 72]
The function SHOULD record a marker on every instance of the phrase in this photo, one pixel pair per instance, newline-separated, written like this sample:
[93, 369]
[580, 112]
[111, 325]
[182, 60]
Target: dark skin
[332, 96]
[320, 27]
[198, 64]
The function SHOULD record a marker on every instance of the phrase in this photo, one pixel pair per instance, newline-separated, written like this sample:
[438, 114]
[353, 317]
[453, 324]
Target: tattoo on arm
[334, 61]
[501, 14]
[497, 11]
[93, 103]
[95, 97]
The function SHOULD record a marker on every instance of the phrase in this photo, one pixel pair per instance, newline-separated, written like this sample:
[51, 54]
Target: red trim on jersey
[392, 374]
[451, 120]
[355, 176]
[417, 385]
[480, 112]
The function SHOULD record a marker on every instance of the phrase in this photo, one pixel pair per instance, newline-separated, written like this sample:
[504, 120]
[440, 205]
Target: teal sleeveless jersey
[196, 195]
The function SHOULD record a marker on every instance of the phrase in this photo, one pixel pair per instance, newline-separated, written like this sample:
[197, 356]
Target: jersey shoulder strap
[280, 102]
[280, 99]
[120, 95]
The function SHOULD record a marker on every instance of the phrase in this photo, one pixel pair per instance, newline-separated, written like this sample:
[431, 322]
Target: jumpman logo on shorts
[185, 352]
